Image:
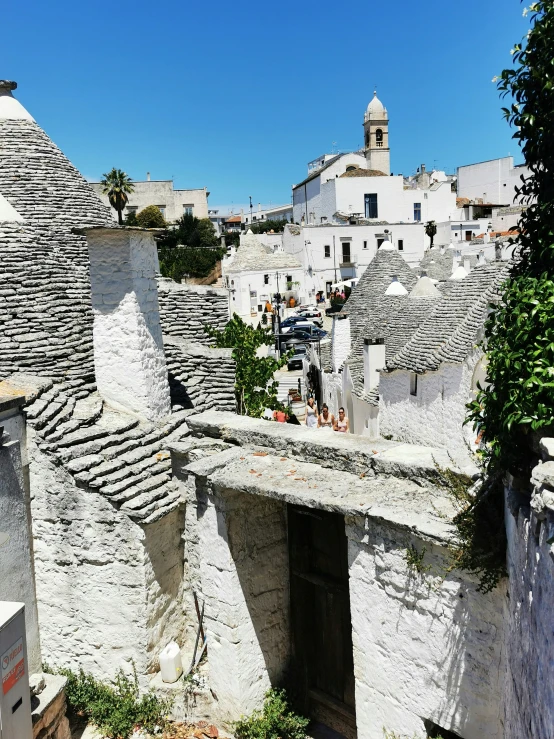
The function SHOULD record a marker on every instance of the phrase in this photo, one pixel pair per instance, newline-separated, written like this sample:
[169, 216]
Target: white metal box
[15, 698]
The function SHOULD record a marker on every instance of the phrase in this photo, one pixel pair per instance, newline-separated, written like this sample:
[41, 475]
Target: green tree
[190, 247]
[263, 227]
[117, 185]
[190, 231]
[431, 231]
[255, 386]
[518, 399]
[151, 217]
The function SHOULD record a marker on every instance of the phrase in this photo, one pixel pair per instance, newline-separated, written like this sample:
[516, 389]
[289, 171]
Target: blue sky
[239, 96]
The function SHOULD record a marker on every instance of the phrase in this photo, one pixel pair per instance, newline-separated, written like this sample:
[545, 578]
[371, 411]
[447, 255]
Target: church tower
[376, 136]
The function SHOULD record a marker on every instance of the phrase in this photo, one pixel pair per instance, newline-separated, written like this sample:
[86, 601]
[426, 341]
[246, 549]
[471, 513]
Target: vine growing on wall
[255, 386]
[517, 401]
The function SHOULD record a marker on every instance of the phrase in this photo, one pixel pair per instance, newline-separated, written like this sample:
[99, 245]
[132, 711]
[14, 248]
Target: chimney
[481, 257]
[340, 340]
[422, 168]
[129, 358]
[148, 177]
[259, 207]
[374, 360]
[467, 264]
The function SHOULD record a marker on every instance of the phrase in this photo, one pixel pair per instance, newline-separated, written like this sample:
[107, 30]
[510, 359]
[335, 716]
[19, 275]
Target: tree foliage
[262, 227]
[518, 398]
[190, 247]
[150, 217]
[255, 387]
[431, 231]
[117, 185]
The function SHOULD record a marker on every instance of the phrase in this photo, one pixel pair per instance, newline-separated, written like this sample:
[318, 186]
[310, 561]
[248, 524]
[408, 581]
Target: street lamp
[250, 196]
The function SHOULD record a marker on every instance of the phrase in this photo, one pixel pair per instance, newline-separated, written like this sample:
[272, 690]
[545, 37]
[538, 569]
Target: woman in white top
[325, 420]
[311, 414]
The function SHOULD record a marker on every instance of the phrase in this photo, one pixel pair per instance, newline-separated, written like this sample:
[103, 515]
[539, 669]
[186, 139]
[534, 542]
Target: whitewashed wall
[109, 591]
[435, 416]
[424, 647]
[494, 181]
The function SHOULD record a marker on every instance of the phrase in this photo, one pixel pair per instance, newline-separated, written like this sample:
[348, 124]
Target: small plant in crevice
[276, 720]
[115, 708]
[415, 558]
[480, 545]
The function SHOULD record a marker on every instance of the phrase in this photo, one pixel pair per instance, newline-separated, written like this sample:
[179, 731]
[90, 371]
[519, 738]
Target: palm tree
[117, 185]
[431, 230]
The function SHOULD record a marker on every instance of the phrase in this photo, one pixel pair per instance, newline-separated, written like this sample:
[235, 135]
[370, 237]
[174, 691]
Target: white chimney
[481, 257]
[340, 340]
[129, 358]
[374, 360]
[148, 176]
[467, 264]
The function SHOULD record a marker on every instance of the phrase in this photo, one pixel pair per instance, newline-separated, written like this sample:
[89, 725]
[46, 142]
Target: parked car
[313, 315]
[292, 321]
[303, 325]
[296, 361]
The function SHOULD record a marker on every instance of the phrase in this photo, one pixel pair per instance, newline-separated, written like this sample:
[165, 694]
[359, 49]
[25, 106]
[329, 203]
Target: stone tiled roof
[46, 331]
[396, 320]
[360, 172]
[438, 265]
[365, 299]
[450, 331]
[252, 256]
[45, 313]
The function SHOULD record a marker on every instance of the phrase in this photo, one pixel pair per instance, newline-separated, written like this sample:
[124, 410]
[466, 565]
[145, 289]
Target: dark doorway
[320, 612]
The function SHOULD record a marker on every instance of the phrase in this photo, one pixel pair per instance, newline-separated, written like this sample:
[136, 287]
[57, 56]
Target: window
[417, 211]
[327, 251]
[379, 137]
[351, 168]
[266, 279]
[346, 251]
[371, 210]
[413, 383]
[367, 140]
[162, 208]
[365, 244]
[469, 235]
[132, 209]
[400, 244]
[425, 196]
[289, 278]
[188, 210]
[379, 242]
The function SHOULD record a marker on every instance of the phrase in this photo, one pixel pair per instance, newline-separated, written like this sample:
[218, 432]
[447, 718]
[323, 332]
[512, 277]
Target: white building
[358, 186]
[494, 181]
[173, 203]
[254, 273]
[333, 253]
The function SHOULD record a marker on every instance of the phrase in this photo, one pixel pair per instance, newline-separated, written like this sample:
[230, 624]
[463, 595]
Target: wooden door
[320, 612]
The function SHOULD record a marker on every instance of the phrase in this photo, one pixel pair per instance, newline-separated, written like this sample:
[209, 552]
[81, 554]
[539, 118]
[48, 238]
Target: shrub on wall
[255, 387]
[150, 217]
[518, 401]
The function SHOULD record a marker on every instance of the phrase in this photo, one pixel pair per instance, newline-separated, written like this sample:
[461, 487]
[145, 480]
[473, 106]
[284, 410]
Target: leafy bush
[150, 217]
[176, 262]
[114, 708]
[275, 721]
[518, 399]
[255, 388]
[277, 225]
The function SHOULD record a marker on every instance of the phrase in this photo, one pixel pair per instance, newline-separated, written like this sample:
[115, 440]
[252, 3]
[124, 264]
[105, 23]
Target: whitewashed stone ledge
[48, 707]
[349, 452]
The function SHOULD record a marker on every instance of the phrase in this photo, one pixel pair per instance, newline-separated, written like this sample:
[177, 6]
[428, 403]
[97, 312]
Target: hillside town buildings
[134, 491]
[173, 203]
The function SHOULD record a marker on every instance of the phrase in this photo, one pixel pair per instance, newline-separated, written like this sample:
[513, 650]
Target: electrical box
[15, 697]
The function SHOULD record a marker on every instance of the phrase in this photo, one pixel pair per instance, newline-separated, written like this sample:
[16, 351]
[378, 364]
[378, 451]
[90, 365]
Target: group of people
[325, 420]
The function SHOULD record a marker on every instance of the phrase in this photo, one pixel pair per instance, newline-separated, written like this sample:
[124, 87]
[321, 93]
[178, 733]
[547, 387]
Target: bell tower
[376, 136]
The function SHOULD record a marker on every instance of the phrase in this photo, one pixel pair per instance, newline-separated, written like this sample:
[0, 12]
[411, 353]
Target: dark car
[296, 361]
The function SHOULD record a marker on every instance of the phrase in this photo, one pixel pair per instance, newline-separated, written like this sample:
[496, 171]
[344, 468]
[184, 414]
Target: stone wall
[48, 707]
[424, 648]
[109, 589]
[17, 575]
[186, 309]
[200, 377]
[529, 703]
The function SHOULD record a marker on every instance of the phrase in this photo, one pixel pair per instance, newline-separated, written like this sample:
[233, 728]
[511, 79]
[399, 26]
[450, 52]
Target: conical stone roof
[45, 313]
